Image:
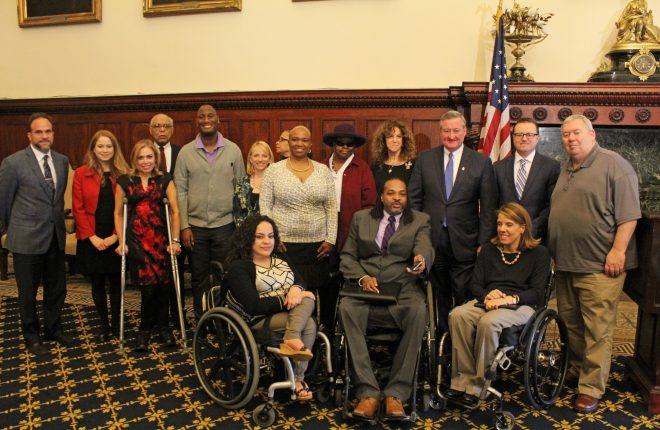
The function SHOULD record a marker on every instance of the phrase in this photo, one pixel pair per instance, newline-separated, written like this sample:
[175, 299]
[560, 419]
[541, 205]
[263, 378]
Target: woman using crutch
[144, 188]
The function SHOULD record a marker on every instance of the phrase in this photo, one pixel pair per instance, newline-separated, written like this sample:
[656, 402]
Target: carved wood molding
[358, 99]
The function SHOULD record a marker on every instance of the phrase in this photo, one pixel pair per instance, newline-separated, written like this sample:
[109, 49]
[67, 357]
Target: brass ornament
[643, 64]
[635, 56]
[522, 29]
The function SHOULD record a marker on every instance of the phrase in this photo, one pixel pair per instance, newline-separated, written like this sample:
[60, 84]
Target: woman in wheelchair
[268, 293]
[508, 283]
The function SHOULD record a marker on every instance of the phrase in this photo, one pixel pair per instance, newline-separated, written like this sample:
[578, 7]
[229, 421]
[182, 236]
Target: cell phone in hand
[417, 266]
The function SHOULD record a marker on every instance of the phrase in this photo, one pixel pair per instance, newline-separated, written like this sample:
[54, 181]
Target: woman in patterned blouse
[270, 296]
[246, 190]
[299, 195]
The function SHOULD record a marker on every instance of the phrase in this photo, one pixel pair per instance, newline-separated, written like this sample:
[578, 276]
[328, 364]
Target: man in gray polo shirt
[593, 215]
[204, 176]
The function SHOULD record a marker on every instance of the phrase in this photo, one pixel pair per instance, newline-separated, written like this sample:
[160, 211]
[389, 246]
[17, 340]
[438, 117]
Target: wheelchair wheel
[263, 415]
[504, 420]
[546, 359]
[226, 358]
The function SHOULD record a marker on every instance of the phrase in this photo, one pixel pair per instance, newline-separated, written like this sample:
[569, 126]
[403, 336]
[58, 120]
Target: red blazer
[86, 187]
[358, 191]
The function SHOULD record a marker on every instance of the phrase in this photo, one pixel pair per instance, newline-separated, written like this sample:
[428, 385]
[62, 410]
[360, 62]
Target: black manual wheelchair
[540, 346]
[422, 392]
[229, 358]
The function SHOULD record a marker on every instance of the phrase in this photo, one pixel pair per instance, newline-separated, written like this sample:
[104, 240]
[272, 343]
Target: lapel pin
[462, 168]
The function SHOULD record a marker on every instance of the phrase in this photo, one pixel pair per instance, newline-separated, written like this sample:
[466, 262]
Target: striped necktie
[521, 178]
[48, 174]
[389, 232]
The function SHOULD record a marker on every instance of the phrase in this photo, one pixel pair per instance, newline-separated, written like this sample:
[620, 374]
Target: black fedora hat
[344, 131]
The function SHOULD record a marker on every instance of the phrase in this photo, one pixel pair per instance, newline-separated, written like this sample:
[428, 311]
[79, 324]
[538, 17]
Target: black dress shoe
[166, 338]
[453, 394]
[37, 348]
[61, 338]
[142, 341]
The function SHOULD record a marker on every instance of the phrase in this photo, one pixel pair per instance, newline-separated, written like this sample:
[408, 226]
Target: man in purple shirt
[205, 172]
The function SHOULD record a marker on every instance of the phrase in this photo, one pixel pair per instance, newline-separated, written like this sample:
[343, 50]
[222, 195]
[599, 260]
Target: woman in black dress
[147, 247]
[93, 190]
[393, 152]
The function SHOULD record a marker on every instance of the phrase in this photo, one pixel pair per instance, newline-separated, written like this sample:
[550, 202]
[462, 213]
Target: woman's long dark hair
[240, 245]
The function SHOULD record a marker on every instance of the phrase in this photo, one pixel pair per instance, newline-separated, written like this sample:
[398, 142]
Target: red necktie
[163, 164]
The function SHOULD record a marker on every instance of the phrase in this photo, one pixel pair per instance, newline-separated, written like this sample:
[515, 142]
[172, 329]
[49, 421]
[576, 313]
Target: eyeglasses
[346, 144]
[527, 135]
[165, 126]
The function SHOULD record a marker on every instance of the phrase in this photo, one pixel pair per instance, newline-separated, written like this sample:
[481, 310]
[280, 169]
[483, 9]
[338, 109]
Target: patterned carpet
[92, 386]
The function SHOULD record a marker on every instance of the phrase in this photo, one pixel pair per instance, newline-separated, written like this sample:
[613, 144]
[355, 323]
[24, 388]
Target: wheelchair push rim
[546, 359]
[226, 358]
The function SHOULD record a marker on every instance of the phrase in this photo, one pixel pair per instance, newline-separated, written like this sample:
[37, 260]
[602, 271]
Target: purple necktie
[389, 231]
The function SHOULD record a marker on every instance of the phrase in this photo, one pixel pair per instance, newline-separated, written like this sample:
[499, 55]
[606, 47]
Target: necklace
[288, 164]
[507, 262]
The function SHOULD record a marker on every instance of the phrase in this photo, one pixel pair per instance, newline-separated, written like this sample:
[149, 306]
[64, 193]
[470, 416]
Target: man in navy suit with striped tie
[528, 177]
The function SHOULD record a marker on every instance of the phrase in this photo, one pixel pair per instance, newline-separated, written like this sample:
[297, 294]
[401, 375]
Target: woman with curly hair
[246, 190]
[270, 295]
[393, 152]
[94, 185]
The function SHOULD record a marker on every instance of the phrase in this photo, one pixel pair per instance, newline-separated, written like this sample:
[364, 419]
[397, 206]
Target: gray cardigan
[205, 192]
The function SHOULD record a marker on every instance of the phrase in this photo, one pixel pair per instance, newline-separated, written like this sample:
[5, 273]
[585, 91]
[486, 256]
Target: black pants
[450, 279]
[31, 270]
[316, 274]
[210, 245]
[100, 297]
[153, 308]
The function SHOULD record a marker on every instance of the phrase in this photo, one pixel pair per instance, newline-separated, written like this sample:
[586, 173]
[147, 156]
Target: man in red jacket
[355, 188]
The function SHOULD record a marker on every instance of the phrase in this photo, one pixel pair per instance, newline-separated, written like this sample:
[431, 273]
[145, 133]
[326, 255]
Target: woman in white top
[299, 195]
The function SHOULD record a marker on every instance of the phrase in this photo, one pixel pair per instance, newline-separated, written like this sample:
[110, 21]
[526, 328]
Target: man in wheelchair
[387, 245]
[508, 284]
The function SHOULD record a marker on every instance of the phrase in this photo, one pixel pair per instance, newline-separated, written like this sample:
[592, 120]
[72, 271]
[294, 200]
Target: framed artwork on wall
[49, 12]
[153, 8]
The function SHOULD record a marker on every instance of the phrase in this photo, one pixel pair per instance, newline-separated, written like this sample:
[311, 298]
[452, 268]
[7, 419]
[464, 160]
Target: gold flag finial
[498, 15]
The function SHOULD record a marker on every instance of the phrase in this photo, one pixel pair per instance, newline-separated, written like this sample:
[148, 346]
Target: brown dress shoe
[585, 403]
[367, 408]
[394, 408]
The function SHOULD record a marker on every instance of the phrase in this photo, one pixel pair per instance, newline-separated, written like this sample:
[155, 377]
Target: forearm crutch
[123, 277]
[175, 274]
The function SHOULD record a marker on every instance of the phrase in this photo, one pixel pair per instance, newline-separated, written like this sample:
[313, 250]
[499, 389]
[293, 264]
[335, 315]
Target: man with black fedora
[355, 188]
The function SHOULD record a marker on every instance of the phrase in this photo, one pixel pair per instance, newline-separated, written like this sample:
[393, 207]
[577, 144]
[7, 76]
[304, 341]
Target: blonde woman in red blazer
[94, 186]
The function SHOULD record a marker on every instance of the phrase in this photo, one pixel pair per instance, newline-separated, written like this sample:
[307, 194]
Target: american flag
[495, 140]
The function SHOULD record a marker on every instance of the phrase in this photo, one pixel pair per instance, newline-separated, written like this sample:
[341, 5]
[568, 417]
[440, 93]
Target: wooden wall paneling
[14, 138]
[138, 130]
[73, 137]
[252, 130]
[427, 133]
[184, 131]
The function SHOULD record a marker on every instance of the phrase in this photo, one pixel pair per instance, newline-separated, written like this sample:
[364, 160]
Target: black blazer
[540, 183]
[470, 210]
[175, 154]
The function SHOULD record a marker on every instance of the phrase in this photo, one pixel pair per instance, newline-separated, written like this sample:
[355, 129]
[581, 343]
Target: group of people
[284, 228]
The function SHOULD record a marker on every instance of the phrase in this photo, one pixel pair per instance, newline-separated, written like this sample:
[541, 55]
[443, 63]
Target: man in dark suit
[384, 245]
[456, 186]
[32, 184]
[528, 177]
[161, 128]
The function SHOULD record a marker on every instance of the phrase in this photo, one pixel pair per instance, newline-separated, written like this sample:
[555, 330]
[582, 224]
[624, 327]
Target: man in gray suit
[456, 186]
[32, 184]
[528, 177]
[384, 245]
